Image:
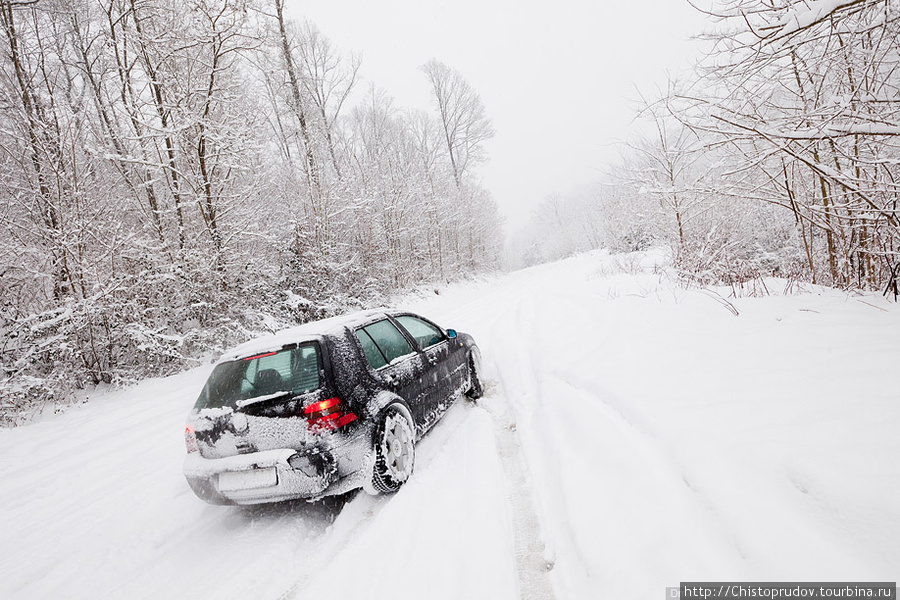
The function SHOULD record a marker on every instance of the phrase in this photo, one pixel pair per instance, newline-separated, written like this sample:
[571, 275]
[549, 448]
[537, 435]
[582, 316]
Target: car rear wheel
[395, 452]
[476, 389]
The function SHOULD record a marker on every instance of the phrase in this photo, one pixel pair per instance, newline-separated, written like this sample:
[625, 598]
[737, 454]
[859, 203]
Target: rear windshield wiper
[267, 398]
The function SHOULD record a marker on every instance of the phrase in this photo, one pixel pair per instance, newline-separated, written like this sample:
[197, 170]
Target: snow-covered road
[634, 435]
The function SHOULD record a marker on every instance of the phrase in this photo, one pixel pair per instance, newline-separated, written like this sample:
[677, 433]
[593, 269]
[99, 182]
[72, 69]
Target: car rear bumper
[276, 475]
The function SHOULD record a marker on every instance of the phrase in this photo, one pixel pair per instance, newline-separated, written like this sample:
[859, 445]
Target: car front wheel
[395, 452]
[476, 389]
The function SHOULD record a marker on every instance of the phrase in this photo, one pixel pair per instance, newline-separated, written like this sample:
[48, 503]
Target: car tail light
[190, 439]
[327, 415]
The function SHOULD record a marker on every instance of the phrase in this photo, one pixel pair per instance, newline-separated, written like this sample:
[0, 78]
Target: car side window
[370, 349]
[424, 333]
[382, 343]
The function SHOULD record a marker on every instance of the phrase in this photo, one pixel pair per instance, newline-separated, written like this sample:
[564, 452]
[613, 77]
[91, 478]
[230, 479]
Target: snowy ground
[634, 435]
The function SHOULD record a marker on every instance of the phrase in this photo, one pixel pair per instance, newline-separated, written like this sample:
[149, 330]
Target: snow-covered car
[325, 408]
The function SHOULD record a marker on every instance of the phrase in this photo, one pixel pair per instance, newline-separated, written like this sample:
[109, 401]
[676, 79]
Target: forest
[779, 155]
[178, 176]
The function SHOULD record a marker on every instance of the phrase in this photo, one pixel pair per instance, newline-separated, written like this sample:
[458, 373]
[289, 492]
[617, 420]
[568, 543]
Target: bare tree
[300, 108]
[327, 80]
[463, 118]
[666, 166]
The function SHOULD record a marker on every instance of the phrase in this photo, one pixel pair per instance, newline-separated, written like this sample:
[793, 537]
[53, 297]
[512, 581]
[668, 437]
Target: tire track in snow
[363, 509]
[668, 472]
[539, 386]
[531, 565]
[517, 367]
[334, 544]
[495, 317]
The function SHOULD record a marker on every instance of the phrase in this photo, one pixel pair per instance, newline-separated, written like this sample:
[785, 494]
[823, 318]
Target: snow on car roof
[303, 332]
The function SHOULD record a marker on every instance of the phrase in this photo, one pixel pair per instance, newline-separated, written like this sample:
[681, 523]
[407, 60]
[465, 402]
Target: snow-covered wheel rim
[397, 447]
[395, 453]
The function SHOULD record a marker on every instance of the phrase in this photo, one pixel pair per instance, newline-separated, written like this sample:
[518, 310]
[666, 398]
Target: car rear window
[296, 370]
[382, 343]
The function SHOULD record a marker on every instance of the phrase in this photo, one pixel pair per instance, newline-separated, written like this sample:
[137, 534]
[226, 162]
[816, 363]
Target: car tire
[476, 389]
[395, 451]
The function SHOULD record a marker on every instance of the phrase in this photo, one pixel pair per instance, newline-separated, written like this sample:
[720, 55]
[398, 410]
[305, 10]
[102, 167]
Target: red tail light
[255, 356]
[322, 406]
[327, 415]
[190, 439]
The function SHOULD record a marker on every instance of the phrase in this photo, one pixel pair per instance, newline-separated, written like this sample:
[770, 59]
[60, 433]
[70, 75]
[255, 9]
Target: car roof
[307, 331]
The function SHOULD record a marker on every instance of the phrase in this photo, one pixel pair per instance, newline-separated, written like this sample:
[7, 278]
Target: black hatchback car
[325, 408]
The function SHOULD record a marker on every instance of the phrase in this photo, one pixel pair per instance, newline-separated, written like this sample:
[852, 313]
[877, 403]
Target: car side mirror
[451, 333]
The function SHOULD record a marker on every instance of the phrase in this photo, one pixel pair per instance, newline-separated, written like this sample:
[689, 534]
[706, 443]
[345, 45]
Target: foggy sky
[559, 82]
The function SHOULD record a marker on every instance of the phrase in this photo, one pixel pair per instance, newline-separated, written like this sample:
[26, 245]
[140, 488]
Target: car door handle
[432, 360]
